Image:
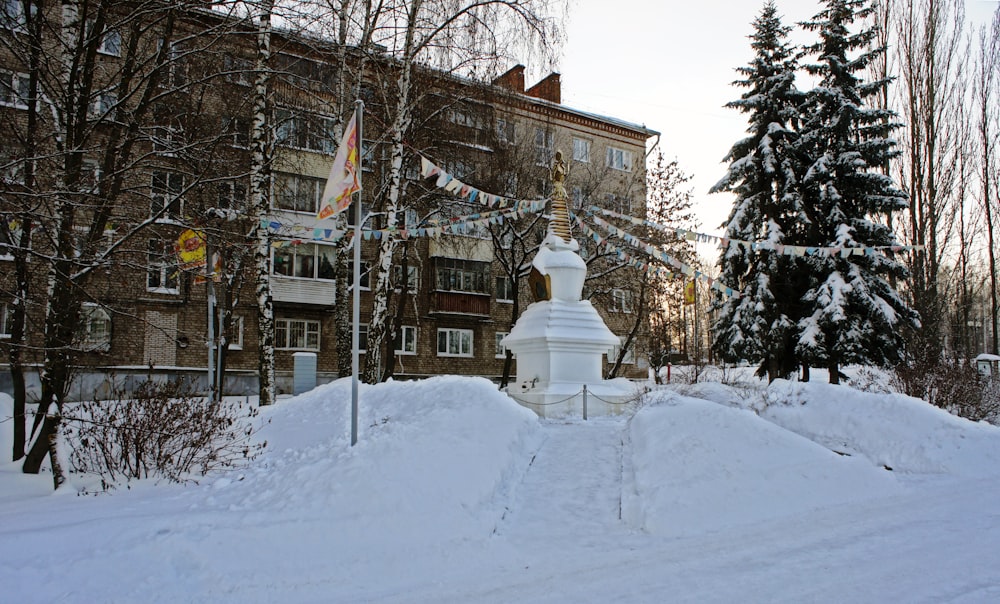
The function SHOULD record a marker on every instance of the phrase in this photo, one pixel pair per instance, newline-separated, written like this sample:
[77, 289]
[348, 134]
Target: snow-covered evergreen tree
[764, 174]
[854, 315]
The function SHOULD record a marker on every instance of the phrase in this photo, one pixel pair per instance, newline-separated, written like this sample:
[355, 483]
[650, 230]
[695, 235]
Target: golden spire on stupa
[559, 224]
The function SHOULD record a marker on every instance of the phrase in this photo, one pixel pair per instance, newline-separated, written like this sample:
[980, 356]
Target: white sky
[670, 66]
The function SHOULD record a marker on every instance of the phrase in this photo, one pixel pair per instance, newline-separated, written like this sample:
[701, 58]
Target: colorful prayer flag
[345, 175]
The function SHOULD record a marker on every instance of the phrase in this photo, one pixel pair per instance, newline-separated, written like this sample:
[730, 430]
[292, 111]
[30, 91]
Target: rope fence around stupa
[583, 391]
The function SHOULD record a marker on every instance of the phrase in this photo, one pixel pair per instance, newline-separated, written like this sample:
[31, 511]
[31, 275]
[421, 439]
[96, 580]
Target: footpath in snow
[571, 493]
[456, 494]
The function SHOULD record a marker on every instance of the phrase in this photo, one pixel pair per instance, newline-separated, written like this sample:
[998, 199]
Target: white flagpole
[356, 303]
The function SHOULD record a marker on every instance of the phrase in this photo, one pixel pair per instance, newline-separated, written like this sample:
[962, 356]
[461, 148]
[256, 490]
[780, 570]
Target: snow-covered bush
[159, 430]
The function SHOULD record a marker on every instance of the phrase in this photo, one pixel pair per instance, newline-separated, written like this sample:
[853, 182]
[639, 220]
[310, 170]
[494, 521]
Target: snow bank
[893, 430]
[701, 467]
[438, 453]
[435, 464]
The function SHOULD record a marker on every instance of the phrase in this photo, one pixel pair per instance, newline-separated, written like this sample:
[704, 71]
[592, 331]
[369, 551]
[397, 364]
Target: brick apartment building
[142, 314]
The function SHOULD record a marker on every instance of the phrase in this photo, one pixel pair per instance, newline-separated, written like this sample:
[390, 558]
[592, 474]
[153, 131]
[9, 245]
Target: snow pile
[890, 430]
[701, 467]
[435, 464]
[454, 493]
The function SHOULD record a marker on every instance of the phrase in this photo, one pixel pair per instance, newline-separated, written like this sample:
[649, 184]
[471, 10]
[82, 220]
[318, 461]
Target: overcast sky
[670, 66]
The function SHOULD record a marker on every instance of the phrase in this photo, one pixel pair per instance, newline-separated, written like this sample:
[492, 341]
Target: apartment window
[305, 261]
[501, 351]
[303, 130]
[161, 270]
[409, 219]
[505, 289]
[621, 301]
[362, 338]
[90, 176]
[94, 333]
[231, 195]
[165, 198]
[464, 117]
[297, 193]
[577, 198]
[628, 359]
[111, 43]
[299, 72]
[543, 147]
[365, 276]
[168, 139]
[14, 89]
[405, 341]
[239, 129]
[506, 131]
[352, 210]
[619, 159]
[453, 274]
[619, 203]
[454, 342]
[238, 70]
[6, 320]
[412, 277]
[581, 150]
[12, 16]
[235, 335]
[103, 106]
[11, 169]
[460, 168]
[296, 334]
[369, 155]
[176, 71]
[508, 183]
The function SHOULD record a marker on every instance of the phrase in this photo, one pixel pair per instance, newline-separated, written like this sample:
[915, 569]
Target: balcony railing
[465, 303]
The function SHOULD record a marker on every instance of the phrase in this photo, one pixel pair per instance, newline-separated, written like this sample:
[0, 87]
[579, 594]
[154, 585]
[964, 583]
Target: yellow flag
[191, 249]
[345, 175]
[689, 293]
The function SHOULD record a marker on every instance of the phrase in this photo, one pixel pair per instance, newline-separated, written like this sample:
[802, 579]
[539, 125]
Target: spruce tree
[854, 314]
[763, 173]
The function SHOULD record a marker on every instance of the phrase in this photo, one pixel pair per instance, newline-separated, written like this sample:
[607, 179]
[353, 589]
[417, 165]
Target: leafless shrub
[159, 430]
[956, 388]
[871, 380]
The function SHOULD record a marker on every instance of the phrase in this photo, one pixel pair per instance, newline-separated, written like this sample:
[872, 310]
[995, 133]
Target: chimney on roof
[548, 89]
[512, 80]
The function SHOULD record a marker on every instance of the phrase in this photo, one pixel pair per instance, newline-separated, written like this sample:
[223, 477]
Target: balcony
[463, 303]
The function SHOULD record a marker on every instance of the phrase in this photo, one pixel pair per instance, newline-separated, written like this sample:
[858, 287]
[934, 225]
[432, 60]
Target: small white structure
[560, 340]
[987, 364]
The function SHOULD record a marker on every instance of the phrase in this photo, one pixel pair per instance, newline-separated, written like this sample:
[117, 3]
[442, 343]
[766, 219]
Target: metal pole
[210, 285]
[694, 314]
[356, 300]
[220, 378]
[584, 402]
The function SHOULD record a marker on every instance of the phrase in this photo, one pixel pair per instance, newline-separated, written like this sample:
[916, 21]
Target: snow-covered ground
[709, 493]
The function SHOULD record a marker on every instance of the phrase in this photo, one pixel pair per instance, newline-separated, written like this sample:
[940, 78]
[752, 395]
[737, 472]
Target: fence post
[584, 402]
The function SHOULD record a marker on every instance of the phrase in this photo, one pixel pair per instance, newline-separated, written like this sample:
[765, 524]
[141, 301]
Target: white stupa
[560, 340]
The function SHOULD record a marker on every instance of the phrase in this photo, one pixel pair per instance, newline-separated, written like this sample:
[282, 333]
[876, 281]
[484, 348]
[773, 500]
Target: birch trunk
[260, 177]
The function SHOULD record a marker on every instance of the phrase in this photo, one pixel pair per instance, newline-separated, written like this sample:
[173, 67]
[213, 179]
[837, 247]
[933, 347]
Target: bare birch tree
[450, 36]
[931, 53]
